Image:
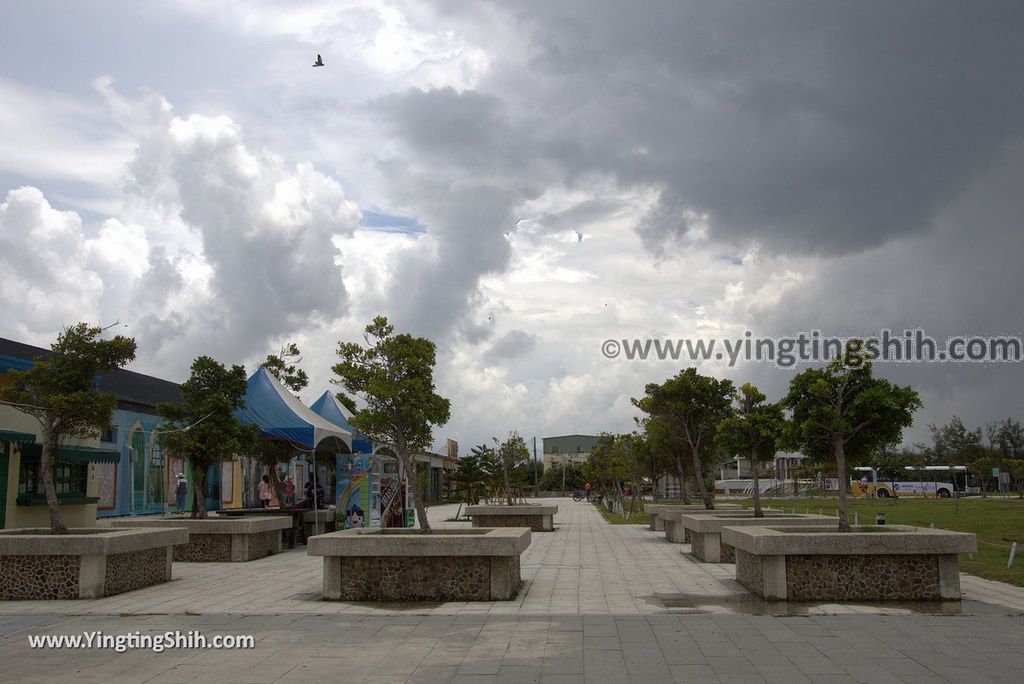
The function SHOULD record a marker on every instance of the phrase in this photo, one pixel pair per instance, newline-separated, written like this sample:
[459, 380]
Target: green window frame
[69, 479]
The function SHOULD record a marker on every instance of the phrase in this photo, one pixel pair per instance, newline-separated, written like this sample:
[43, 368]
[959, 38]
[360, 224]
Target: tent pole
[316, 501]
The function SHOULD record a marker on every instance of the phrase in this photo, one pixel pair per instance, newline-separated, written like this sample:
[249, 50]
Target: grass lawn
[996, 522]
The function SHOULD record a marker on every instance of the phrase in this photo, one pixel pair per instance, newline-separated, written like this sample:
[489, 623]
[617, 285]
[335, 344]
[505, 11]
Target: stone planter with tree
[204, 430]
[58, 562]
[507, 507]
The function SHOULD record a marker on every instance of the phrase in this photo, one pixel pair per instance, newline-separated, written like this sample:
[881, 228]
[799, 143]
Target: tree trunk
[46, 460]
[654, 477]
[698, 471]
[844, 523]
[199, 492]
[754, 468]
[411, 477]
[508, 483]
[682, 482]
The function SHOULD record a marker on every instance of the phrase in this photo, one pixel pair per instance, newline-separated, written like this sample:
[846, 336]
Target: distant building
[570, 449]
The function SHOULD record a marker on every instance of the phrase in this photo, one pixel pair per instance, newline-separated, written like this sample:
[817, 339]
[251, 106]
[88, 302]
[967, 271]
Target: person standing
[289, 490]
[179, 493]
[264, 492]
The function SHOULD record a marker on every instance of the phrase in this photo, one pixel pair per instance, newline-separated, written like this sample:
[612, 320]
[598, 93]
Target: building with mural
[121, 472]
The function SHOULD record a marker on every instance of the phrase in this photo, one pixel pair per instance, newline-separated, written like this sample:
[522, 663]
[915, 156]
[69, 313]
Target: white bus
[937, 481]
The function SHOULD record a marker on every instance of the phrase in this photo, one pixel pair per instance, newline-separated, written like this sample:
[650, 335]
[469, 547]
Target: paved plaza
[600, 603]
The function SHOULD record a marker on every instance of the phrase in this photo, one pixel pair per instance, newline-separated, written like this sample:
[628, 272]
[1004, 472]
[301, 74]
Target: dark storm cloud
[510, 345]
[811, 127]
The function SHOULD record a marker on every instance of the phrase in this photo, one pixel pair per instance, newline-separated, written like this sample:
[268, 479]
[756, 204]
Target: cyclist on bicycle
[586, 490]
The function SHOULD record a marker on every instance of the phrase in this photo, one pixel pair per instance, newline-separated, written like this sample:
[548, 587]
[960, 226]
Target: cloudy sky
[519, 182]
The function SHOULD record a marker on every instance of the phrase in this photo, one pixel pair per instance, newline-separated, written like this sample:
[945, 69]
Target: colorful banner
[353, 490]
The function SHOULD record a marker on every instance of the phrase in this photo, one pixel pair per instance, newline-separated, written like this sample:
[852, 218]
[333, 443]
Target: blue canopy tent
[328, 406]
[278, 413]
[281, 415]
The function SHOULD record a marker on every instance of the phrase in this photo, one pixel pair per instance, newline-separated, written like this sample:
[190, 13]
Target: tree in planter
[841, 410]
[753, 430]
[491, 469]
[273, 452]
[471, 477]
[394, 374]
[203, 428]
[691, 405]
[59, 392]
[511, 455]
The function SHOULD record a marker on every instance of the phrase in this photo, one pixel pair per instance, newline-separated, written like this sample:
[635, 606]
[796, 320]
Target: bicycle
[580, 495]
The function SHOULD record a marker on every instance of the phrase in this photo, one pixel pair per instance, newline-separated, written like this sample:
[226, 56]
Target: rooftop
[129, 386]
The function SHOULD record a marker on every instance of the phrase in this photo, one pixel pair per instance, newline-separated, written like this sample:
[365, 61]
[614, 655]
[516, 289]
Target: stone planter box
[870, 563]
[374, 564]
[321, 519]
[216, 539]
[658, 523]
[538, 517]
[88, 563]
[676, 533]
[705, 531]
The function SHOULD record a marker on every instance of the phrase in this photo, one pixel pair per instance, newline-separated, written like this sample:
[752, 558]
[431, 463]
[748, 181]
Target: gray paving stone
[693, 673]
[546, 634]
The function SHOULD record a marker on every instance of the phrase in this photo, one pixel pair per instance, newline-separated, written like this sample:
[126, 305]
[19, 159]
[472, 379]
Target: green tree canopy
[512, 455]
[842, 409]
[668, 452]
[691, 405]
[394, 375]
[60, 393]
[472, 478]
[754, 431]
[954, 444]
[203, 428]
[347, 402]
[284, 367]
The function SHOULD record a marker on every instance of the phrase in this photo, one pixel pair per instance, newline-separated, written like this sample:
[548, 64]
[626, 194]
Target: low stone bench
[873, 563]
[658, 524]
[88, 563]
[319, 521]
[676, 533]
[221, 539]
[538, 517]
[382, 564]
[705, 531]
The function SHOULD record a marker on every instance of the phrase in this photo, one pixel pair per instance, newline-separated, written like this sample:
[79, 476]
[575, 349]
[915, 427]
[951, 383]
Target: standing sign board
[352, 498]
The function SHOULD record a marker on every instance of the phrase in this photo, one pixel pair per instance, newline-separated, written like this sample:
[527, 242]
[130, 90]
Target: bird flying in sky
[319, 61]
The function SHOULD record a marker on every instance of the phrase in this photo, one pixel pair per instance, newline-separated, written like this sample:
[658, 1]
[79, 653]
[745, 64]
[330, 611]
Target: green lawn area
[996, 522]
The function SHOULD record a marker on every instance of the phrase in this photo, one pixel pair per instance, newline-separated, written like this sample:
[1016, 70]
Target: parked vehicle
[936, 481]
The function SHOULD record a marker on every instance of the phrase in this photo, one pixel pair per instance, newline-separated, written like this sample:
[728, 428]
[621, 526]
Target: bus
[937, 481]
